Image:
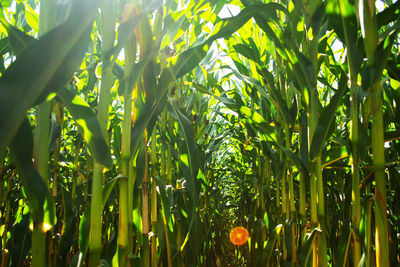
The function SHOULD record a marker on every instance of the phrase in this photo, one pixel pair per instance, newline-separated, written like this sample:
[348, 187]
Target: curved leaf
[189, 59]
[65, 46]
[192, 161]
[18, 39]
[40, 201]
[277, 95]
[85, 117]
[307, 247]
[271, 242]
[326, 118]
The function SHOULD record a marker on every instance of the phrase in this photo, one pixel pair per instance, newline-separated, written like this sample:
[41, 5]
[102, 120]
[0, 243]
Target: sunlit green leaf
[84, 117]
[65, 47]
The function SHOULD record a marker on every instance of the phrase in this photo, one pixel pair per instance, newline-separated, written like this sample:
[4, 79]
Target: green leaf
[164, 198]
[150, 110]
[193, 163]
[231, 25]
[343, 250]
[84, 234]
[383, 51]
[31, 17]
[247, 52]
[127, 85]
[266, 220]
[40, 201]
[5, 47]
[306, 248]
[189, 59]
[108, 187]
[393, 69]
[241, 68]
[271, 242]
[125, 31]
[5, 3]
[326, 118]
[276, 95]
[85, 117]
[342, 18]
[228, 102]
[388, 15]
[18, 39]
[295, 159]
[65, 47]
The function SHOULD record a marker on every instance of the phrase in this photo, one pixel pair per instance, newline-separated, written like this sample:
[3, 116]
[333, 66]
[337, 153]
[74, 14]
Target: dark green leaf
[271, 242]
[383, 51]
[84, 234]
[186, 126]
[342, 18]
[390, 14]
[247, 51]
[22, 241]
[326, 118]
[276, 95]
[39, 199]
[306, 248]
[65, 47]
[393, 69]
[150, 110]
[18, 39]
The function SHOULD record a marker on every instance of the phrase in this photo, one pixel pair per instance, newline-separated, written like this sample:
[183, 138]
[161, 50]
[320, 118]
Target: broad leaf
[85, 117]
[18, 39]
[65, 46]
[39, 199]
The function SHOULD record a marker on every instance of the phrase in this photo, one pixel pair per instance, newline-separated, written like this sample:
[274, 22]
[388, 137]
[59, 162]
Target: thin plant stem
[153, 158]
[145, 209]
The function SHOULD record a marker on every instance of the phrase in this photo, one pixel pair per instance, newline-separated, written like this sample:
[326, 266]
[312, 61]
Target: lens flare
[239, 236]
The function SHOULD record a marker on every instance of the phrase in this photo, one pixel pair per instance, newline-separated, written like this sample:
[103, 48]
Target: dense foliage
[138, 133]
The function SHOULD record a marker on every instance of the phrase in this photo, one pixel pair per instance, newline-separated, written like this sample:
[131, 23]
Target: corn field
[140, 133]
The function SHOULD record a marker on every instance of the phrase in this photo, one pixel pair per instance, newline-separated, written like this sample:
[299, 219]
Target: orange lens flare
[239, 236]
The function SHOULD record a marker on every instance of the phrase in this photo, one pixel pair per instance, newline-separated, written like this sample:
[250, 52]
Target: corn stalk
[354, 134]
[47, 21]
[316, 179]
[153, 159]
[125, 202]
[145, 210]
[367, 19]
[123, 231]
[107, 26]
